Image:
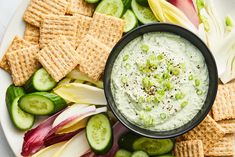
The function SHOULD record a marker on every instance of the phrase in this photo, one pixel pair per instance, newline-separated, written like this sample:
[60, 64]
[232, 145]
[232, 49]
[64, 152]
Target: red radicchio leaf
[118, 130]
[56, 138]
[188, 8]
[33, 139]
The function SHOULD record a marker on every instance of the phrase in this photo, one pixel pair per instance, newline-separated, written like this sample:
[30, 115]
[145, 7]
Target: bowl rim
[213, 85]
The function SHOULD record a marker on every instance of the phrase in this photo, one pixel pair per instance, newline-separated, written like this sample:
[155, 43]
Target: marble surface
[7, 9]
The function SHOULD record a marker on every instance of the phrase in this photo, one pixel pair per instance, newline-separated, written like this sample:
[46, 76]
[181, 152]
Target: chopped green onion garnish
[167, 85]
[179, 96]
[143, 68]
[176, 71]
[190, 77]
[145, 48]
[156, 76]
[152, 61]
[156, 99]
[146, 82]
[126, 57]
[197, 82]
[161, 92]
[160, 57]
[127, 66]
[165, 76]
[199, 92]
[183, 104]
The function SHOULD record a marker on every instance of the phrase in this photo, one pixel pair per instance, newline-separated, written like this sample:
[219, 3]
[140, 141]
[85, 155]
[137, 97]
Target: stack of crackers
[61, 35]
[215, 136]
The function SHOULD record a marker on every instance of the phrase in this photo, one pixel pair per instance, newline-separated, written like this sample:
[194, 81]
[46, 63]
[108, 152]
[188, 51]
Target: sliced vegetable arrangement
[70, 126]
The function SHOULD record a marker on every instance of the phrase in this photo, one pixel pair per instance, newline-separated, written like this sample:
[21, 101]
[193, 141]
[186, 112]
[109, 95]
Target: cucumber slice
[143, 14]
[40, 81]
[92, 1]
[99, 134]
[126, 141]
[153, 146]
[110, 7]
[122, 153]
[21, 120]
[139, 154]
[41, 103]
[130, 20]
[127, 4]
[142, 2]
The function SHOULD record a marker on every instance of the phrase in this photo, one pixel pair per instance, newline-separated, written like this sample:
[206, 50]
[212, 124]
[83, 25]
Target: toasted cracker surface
[107, 29]
[31, 34]
[223, 147]
[37, 9]
[228, 126]
[208, 131]
[179, 139]
[16, 44]
[93, 55]
[224, 106]
[192, 148]
[23, 64]
[84, 23]
[58, 58]
[54, 26]
[80, 7]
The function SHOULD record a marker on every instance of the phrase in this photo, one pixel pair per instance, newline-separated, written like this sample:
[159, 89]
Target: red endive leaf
[56, 138]
[33, 139]
[188, 8]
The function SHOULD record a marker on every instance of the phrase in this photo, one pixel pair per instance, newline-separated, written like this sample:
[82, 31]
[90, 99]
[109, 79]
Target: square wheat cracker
[37, 9]
[80, 7]
[107, 29]
[224, 106]
[84, 23]
[228, 126]
[193, 148]
[31, 34]
[54, 26]
[93, 56]
[208, 131]
[16, 44]
[58, 58]
[23, 64]
[223, 147]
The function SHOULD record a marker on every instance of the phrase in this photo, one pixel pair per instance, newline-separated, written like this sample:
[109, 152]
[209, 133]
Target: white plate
[16, 27]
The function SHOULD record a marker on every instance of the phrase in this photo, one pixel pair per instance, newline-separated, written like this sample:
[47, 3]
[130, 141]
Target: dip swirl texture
[159, 81]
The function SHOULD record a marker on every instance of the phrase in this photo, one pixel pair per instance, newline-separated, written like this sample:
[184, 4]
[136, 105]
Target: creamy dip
[159, 81]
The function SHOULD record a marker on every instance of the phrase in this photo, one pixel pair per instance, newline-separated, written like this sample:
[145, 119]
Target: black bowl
[212, 69]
